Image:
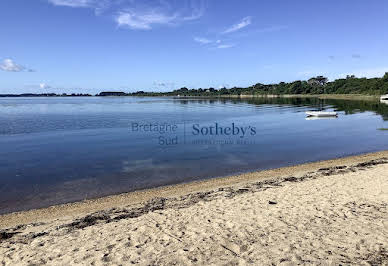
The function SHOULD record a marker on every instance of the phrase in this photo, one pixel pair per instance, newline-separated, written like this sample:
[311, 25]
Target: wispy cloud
[203, 40]
[10, 66]
[73, 3]
[141, 17]
[139, 14]
[145, 21]
[225, 46]
[213, 44]
[238, 26]
[269, 29]
[356, 56]
[44, 86]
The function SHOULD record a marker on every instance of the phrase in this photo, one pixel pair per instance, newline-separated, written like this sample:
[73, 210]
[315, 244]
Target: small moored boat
[384, 97]
[321, 114]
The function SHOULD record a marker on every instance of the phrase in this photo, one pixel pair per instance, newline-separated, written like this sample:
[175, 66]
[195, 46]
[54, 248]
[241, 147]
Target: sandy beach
[329, 212]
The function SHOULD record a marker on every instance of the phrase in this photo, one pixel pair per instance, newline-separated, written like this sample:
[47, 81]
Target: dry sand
[331, 212]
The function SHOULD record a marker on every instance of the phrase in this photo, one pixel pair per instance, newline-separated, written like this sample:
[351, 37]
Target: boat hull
[384, 98]
[321, 114]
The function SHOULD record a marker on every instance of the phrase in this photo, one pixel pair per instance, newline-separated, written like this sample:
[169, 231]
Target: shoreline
[232, 96]
[319, 96]
[81, 208]
[332, 212]
[358, 97]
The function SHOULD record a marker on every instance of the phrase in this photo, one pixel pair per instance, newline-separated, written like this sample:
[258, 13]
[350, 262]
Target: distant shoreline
[319, 85]
[319, 96]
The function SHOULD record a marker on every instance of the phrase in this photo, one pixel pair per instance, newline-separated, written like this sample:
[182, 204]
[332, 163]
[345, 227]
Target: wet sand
[326, 212]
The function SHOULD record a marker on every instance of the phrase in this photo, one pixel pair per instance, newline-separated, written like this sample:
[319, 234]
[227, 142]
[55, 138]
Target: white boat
[321, 114]
[321, 117]
[384, 97]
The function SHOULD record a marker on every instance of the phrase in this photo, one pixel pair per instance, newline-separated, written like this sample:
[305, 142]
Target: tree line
[315, 85]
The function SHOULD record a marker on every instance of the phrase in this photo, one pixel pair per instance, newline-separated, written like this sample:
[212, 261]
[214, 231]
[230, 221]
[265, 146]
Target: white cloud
[242, 24]
[269, 29]
[203, 40]
[213, 44]
[145, 17]
[139, 14]
[73, 3]
[44, 86]
[10, 66]
[144, 21]
[225, 46]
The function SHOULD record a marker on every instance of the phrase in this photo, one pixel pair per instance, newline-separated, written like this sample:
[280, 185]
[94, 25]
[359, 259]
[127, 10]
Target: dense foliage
[316, 85]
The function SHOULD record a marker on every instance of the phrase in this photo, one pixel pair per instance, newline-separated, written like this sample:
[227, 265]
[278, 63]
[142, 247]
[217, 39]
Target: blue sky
[159, 45]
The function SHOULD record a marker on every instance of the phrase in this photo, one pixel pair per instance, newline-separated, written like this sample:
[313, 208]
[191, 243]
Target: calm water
[57, 150]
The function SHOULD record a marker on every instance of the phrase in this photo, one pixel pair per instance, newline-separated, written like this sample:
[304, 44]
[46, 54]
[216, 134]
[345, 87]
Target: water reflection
[346, 106]
[66, 149]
